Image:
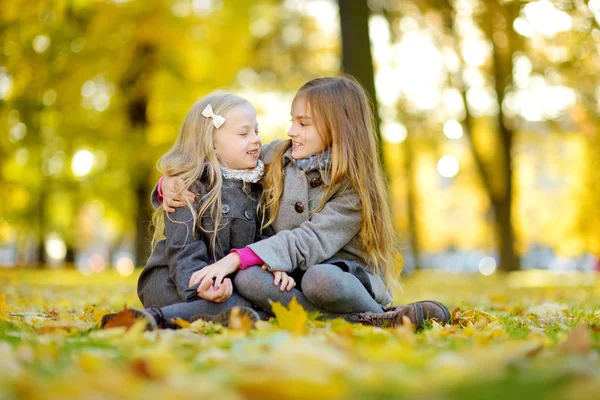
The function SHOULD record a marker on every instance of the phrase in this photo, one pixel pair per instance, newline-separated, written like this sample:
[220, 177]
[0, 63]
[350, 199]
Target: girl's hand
[287, 282]
[217, 272]
[170, 187]
[217, 295]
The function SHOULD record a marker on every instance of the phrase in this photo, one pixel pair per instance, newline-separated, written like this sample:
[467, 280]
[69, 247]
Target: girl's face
[305, 136]
[236, 142]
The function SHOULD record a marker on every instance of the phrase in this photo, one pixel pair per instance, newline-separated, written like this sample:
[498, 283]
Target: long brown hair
[192, 156]
[343, 116]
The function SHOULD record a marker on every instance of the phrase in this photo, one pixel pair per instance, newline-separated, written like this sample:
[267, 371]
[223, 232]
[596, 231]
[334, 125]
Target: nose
[292, 132]
[255, 138]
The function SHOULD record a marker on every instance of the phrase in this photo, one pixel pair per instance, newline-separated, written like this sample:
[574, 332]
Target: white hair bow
[217, 120]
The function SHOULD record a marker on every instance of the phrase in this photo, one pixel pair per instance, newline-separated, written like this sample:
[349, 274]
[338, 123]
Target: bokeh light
[55, 246]
[487, 266]
[83, 161]
[453, 129]
[448, 166]
[124, 266]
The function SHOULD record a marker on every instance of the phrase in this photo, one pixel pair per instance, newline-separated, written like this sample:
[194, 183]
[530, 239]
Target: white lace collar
[247, 175]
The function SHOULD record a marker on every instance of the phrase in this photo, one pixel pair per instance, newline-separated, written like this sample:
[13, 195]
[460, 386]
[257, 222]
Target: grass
[527, 335]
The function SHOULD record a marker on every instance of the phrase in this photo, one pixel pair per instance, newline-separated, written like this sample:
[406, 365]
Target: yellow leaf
[238, 322]
[182, 323]
[473, 316]
[293, 319]
[4, 308]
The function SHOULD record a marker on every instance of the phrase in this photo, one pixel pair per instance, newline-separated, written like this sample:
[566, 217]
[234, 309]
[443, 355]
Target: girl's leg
[156, 289]
[330, 288]
[256, 285]
[190, 309]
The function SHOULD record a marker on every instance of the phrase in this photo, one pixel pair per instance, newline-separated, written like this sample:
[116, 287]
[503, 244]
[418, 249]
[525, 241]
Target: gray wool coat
[327, 237]
[187, 249]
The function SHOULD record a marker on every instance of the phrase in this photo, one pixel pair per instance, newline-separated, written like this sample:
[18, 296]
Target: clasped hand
[213, 286]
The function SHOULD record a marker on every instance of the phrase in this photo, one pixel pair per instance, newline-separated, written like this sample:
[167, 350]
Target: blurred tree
[356, 55]
[116, 79]
[496, 21]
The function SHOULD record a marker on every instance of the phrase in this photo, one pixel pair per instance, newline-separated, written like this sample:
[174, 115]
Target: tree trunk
[509, 261]
[143, 220]
[41, 215]
[500, 200]
[411, 197]
[134, 86]
[356, 47]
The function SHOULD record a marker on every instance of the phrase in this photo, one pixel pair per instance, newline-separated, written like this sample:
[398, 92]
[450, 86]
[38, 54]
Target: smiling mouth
[253, 152]
[296, 144]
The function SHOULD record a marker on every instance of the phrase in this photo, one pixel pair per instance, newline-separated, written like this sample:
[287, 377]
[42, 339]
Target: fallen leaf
[240, 323]
[473, 316]
[141, 368]
[124, 318]
[182, 323]
[579, 341]
[293, 319]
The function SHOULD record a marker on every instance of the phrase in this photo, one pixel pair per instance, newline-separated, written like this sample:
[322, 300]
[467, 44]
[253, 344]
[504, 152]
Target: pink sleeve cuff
[248, 257]
[159, 189]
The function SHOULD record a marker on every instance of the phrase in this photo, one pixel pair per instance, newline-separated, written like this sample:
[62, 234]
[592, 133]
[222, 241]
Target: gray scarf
[316, 161]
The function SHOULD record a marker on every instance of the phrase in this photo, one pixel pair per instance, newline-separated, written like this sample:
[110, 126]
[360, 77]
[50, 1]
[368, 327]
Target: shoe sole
[224, 317]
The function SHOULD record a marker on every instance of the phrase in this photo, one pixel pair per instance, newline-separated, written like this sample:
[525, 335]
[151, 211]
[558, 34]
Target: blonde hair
[344, 119]
[193, 156]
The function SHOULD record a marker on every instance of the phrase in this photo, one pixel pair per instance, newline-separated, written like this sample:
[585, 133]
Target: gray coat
[328, 237]
[187, 248]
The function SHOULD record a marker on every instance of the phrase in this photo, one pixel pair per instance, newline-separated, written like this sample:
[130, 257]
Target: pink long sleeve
[159, 190]
[248, 257]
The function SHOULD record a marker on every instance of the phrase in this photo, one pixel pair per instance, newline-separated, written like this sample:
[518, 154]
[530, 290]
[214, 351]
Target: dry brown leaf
[123, 318]
[579, 341]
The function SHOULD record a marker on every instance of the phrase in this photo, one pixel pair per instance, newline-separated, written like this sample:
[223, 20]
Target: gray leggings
[324, 288]
[190, 309]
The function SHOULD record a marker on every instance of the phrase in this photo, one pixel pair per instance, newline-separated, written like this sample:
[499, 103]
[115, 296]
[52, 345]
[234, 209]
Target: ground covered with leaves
[529, 335]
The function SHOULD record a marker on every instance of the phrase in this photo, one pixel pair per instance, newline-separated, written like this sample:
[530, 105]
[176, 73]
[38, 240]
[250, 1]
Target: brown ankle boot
[418, 313]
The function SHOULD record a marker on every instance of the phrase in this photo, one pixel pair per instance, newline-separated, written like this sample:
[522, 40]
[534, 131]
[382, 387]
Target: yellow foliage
[293, 319]
[52, 348]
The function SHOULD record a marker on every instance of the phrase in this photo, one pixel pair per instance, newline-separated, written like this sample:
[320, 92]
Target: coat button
[299, 207]
[225, 209]
[248, 215]
[315, 182]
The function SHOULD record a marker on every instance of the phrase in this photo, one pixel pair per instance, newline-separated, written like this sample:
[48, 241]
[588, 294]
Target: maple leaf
[293, 319]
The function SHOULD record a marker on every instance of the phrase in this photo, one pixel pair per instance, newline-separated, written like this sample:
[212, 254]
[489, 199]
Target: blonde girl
[216, 158]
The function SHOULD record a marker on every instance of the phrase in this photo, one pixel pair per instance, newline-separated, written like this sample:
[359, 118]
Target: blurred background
[489, 116]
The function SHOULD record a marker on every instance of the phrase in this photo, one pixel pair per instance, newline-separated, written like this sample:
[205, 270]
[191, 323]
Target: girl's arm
[165, 194]
[315, 240]
[186, 252]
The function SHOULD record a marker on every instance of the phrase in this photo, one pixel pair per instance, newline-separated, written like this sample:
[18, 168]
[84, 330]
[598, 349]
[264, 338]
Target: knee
[248, 282]
[320, 285]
